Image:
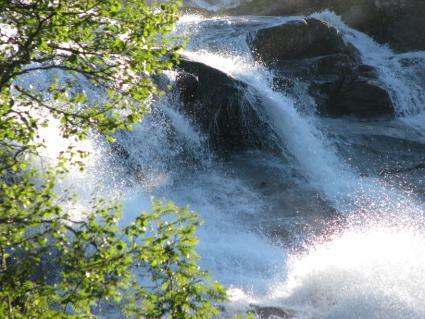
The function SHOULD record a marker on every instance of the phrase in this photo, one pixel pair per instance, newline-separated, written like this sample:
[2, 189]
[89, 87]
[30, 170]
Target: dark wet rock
[293, 210]
[283, 84]
[381, 154]
[388, 150]
[399, 170]
[299, 40]
[218, 104]
[315, 52]
[398, 162]
[270, 313]
[354, 93]
[399, 23]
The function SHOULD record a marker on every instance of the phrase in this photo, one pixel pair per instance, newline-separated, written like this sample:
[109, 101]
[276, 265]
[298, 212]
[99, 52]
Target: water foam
[372, 270]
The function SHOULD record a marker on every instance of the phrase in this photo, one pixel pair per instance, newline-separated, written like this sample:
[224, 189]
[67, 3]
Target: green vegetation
[51, 265]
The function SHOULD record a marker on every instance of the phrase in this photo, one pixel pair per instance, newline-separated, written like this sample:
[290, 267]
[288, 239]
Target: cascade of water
[350, 274]
[299, 134]
[372, 269]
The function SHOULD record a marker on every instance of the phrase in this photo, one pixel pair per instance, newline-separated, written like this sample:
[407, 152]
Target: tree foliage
[52, 265]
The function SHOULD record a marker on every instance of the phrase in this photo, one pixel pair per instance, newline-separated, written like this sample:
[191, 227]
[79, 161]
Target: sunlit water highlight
[372, 270]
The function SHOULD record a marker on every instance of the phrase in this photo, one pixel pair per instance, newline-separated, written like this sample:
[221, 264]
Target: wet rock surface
[218, 104]
[315, 52]
[303, 39]
[271, 313]
[290, 208]
[387, 150]
[387, 21]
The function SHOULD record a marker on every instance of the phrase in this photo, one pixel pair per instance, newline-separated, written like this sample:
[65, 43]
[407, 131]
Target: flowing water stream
[304, 230]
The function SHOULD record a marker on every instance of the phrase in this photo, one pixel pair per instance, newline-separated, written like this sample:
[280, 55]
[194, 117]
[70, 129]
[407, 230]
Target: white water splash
[372, 270]
[298, 133]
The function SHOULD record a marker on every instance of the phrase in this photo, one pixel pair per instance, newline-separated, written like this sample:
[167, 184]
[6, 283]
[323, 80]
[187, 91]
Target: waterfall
[367, 263]
[334, 278]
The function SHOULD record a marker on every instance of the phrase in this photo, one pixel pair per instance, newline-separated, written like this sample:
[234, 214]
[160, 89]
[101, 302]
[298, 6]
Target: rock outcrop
[302, 39]
[315, 52]
[399, 23]
[218, 104]
[270, 313]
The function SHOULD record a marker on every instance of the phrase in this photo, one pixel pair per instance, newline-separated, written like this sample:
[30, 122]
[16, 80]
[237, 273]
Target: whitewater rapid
[374, 266]
[369, 260]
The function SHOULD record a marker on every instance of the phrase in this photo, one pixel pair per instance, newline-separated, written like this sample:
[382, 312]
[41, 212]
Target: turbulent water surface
[312, 229]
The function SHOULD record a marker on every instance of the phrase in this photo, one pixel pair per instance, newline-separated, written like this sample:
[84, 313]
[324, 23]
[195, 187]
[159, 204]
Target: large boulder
[299, 40]
[399, 23]
[315, 52]
[218, 104]
[359, 92]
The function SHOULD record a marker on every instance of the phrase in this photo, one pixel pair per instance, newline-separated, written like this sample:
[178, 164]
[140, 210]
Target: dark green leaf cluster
[51, 264]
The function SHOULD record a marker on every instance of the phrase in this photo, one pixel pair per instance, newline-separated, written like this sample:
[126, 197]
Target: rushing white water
[370, 265]
[336, 276]
[372, 270]
[295, 130]
[299, 133]
[373, 267]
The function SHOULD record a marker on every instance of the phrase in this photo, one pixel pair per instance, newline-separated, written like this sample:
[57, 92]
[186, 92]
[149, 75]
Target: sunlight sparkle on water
[362, 271]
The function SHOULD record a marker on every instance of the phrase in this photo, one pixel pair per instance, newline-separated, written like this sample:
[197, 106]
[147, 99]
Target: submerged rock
[219, 105]
[315, 52]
